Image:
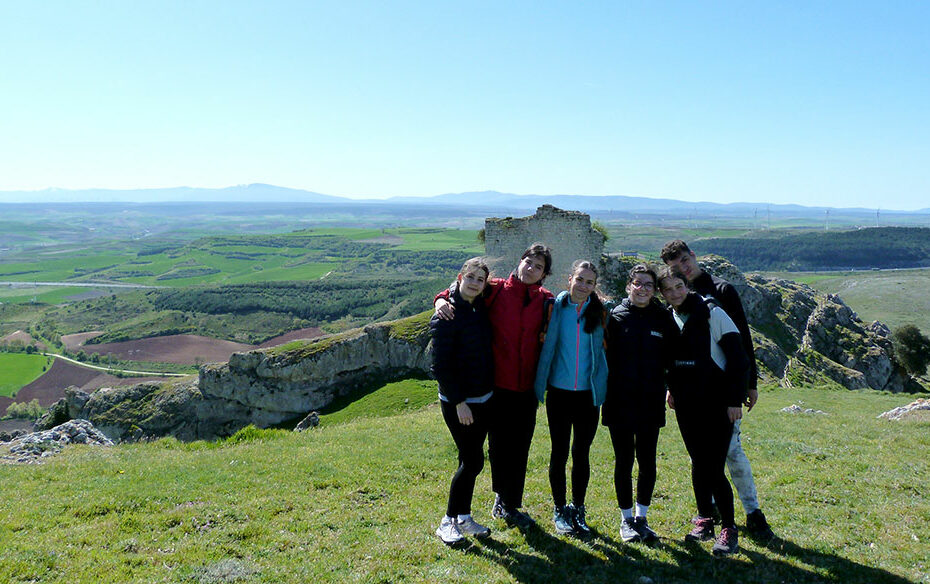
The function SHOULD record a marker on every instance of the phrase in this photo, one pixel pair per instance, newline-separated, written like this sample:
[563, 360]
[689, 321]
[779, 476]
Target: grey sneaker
[628, 532]
[562, 519]
[703, 529]
[727, 542]
[578, 519]
[471, 527]
[646, 532]
[448, 531]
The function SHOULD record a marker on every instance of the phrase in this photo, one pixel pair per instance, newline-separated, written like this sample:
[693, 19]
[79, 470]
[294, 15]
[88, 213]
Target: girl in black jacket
[639, 336]
[464, 367]
[707, 383]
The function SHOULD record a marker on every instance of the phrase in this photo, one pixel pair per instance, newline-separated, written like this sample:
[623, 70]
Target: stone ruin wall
[567, 233]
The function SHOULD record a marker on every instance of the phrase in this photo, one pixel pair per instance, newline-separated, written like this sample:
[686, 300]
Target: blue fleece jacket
[571, 358]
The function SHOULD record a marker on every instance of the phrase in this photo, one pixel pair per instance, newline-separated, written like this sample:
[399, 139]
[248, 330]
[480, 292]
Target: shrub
[25, 410]
[912, 349]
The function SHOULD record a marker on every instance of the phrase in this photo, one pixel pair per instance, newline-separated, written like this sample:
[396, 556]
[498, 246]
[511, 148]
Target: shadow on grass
[558, 559]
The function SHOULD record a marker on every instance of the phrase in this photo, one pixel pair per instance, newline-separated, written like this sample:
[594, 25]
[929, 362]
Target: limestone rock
[311, 421]
[33, 447]
[904, 411]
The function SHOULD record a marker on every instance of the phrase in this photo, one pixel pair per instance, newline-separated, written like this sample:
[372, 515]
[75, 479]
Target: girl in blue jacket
[573, 370]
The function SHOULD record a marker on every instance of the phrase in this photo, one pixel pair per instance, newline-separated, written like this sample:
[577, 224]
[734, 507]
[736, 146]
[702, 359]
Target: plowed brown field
[50, 387]
[183, 349]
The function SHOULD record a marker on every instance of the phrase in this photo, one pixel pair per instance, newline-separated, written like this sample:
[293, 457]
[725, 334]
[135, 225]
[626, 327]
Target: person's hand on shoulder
[444, 309]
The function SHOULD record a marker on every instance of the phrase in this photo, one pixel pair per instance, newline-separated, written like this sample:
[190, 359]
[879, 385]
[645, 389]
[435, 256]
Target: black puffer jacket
[639, 343]
[463, 362]
[694, 379]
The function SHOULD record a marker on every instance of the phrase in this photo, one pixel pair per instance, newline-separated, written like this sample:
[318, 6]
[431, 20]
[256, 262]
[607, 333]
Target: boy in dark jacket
[677, 254]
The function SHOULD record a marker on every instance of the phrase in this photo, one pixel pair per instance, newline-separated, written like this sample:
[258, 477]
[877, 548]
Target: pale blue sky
[818, 103]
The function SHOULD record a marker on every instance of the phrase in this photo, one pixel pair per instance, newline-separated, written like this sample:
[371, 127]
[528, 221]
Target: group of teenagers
[502, 346]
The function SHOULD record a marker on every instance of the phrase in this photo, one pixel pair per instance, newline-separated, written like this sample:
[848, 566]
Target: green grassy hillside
[358, 501]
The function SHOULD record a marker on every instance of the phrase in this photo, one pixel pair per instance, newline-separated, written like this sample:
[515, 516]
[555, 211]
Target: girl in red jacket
[516, 308]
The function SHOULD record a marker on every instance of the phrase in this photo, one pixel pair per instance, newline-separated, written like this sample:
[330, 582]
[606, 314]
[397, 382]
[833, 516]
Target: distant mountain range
[264, 193]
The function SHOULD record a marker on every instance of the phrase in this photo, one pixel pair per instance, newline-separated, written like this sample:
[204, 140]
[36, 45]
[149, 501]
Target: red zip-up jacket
[516, 313]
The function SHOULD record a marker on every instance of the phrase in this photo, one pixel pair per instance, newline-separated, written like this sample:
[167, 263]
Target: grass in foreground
[358, 502]
[19, 369]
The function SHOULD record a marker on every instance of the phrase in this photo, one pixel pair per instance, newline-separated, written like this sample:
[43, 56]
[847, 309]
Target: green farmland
[233, 259]
[19, 369]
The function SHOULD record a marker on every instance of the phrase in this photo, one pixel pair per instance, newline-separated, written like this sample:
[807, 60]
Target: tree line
[875, 247]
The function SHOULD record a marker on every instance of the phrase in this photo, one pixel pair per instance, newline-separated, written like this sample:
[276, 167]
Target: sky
[816, 103]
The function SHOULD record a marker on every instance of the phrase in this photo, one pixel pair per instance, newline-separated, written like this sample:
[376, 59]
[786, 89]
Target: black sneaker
[517, 518]
[578, 519]
[727, 542]
[645, 532]
[562, 519]
[757, 527]
[628, 532]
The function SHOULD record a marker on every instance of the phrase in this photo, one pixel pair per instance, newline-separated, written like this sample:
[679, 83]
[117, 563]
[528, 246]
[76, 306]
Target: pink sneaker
[703, 529]
[727, 542]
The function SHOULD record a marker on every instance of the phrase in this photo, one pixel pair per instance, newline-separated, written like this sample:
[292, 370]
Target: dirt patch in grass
[183, 349]
[74, 341]
[22, 336]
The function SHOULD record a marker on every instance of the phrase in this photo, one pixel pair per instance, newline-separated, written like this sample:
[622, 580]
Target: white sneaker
[448, 531]
[471, 527]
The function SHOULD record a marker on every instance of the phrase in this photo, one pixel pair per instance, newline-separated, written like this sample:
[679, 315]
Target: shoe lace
[727, 535]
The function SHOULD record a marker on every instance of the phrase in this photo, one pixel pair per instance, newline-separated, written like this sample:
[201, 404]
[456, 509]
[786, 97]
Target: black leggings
[707, 437]
[567, 411]
[470, 442]
[513, 422]
[627, 442]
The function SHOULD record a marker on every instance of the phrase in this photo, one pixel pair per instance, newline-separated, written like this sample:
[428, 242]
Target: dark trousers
[470, 442]
[629, 442]
[707, 435]
[570, 411]
[513, 422]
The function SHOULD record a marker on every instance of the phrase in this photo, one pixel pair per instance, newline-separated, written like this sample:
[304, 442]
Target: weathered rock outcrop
[290, 380]
[800, 335]
[262, 387]
[804, 336]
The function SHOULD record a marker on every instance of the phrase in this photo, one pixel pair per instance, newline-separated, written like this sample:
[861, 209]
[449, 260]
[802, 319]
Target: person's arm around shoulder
[734, 308]
[726, 335]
